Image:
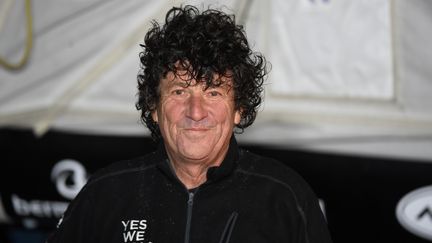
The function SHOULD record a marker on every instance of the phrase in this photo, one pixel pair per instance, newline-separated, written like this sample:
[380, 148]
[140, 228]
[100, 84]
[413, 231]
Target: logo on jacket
[69, 177]
[134, 230]
[414, 212]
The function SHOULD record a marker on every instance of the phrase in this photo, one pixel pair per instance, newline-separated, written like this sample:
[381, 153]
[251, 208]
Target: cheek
[223, 113]
[171, 111]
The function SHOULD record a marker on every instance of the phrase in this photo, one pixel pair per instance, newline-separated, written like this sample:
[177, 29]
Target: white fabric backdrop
[348, 76]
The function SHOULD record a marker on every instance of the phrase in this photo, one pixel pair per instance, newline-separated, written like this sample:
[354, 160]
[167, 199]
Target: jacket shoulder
[125, 166]
[276, 172]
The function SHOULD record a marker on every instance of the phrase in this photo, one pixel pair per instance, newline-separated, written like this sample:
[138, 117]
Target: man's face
[196, 123]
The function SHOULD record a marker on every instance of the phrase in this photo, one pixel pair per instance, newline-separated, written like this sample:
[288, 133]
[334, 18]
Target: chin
[196, 154]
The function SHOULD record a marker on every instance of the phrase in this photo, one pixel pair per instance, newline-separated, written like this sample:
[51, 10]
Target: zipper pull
[191, 196]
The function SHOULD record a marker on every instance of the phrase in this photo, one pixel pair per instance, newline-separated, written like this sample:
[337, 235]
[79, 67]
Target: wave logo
[414, 212]
[69, 177]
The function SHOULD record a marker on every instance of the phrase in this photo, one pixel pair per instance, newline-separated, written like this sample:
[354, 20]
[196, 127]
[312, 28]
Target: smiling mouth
[197, 129]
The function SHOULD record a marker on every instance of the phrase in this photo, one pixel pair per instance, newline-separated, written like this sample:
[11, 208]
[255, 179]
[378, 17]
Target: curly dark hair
[204, 44]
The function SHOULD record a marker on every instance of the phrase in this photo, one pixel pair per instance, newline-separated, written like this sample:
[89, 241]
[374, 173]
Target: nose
[196, 108]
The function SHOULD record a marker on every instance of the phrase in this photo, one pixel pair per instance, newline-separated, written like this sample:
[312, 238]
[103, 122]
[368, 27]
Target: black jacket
[245, 200]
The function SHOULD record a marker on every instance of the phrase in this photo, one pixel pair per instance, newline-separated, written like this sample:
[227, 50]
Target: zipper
[189, 216]
[229, 226]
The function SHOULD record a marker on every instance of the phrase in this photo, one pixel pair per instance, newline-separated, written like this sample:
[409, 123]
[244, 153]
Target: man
[199, 83]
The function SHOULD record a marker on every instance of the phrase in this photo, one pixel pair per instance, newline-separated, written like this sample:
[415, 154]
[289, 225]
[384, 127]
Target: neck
[191, 175]
[194, 173]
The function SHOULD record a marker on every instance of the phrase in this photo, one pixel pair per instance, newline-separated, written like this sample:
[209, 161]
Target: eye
[178, 92]
[214, 93]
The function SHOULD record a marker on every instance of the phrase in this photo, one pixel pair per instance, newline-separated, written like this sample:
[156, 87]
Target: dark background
[360, 193]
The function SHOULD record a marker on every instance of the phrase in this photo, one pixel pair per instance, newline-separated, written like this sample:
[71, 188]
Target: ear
[155, 116]
[237, 117]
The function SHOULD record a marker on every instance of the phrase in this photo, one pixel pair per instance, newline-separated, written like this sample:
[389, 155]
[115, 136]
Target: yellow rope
[29, 42]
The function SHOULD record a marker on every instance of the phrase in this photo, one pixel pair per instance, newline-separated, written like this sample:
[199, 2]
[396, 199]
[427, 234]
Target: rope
[28, 45]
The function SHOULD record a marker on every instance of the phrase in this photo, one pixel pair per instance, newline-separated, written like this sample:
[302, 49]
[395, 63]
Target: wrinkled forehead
[185, 78]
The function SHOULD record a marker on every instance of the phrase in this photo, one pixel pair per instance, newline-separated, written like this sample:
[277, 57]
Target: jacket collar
[214, 173]
[228, 164]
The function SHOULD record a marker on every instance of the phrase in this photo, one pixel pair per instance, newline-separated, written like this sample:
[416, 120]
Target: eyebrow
[179, 84]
